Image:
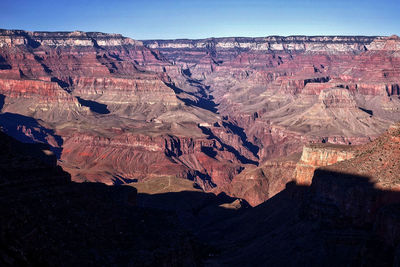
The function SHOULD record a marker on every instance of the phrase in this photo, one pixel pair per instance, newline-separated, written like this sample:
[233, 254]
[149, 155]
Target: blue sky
[146, 19]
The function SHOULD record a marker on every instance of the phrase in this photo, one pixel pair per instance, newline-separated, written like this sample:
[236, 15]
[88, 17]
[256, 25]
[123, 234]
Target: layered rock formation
[205, 110]
[256, 185]
[229, 116]
[315, 156]
[113, 90]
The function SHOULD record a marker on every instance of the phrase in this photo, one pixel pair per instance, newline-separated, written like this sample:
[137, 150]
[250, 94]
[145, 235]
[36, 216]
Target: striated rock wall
[315, 156]
[139, 157]
[271, 43]
[76, 38]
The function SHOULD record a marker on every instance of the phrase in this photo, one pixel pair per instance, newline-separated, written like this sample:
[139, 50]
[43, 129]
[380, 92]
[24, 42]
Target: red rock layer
[140, 157]
[204, 109]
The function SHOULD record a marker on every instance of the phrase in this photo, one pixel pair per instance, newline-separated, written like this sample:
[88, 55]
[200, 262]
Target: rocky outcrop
[42, 99]
[391, 43]
[315, 156]
[120, 159]
[337, 98]
[259, 184]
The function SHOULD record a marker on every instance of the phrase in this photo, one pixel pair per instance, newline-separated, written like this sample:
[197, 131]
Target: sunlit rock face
[217, 111]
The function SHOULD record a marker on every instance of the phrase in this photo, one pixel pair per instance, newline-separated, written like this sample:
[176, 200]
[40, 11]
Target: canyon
[119, 110]
[294, 134]
[348, 213]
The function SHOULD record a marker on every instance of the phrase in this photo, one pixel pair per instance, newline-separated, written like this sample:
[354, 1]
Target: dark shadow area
[61, 83]
[342, 219]
[94, 106]
[392, 90]
[44, 66]
[187, 72]
[96, 45]
[156, 55]
[240, 132]
[4, 64]
[2, 98]
[355, 196]
[204, 177]
[108, 61]
[174, 148]
[115, 56]
[119, 180]
[317, 80]
[31, 42]
[28, 130]
[370, 112]
[204, 102]
[229, 148]
[22, 74]
[209, 151]
[190, 206]
[48, 220]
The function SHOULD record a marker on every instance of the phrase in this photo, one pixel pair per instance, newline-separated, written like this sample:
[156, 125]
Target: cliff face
[76, 38]
[271, 43]
[315, 156]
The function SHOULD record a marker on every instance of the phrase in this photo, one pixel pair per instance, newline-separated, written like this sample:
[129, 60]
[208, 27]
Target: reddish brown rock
[259, 184]
[315, 156]
[205, 109]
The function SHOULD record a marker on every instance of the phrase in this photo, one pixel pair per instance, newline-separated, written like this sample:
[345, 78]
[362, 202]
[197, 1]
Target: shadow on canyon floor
[28, 130]
[2, 97]
[238, 155]
[204, 102]
[47, 220]
[94, 106]
[340, 220]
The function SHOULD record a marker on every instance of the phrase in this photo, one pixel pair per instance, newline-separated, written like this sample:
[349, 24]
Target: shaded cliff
[48, 220]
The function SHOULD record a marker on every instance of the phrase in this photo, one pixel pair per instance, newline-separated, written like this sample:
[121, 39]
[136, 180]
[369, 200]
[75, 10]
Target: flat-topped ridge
[75, 38]
[270, 43]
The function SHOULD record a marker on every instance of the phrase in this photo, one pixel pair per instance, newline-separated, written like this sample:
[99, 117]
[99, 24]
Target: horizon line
[204, 38]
